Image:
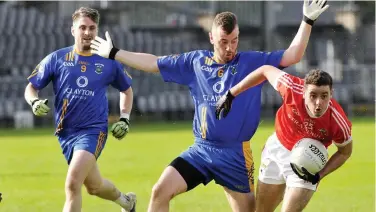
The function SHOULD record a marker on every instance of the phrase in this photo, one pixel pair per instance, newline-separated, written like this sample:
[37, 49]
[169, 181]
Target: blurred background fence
[342, 43]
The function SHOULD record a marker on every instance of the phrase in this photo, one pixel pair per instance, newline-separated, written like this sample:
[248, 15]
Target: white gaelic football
[310, 154]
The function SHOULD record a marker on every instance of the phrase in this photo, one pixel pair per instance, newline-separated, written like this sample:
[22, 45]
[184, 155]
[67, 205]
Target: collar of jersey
[213, 58]
[81, 53]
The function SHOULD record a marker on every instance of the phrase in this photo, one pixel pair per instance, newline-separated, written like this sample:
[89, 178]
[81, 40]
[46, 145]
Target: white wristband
[124, 115]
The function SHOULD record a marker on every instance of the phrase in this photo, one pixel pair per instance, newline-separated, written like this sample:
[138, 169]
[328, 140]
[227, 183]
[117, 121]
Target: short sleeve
[287, 85]
[43, 72]
[342, 128]
[177, 68]
[123, 79]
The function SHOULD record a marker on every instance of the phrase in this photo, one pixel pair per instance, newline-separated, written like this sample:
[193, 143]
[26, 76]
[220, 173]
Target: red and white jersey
[294, 123]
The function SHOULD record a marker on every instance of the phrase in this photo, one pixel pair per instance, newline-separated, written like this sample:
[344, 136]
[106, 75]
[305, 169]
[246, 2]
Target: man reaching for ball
[308, 111]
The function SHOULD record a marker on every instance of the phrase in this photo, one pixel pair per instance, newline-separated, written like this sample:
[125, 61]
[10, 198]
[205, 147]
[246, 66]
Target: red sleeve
[287, 85]
[342, 128]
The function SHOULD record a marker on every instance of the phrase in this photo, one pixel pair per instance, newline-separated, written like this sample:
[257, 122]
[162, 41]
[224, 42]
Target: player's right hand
[40, 107]
[104, 48]
[305, 175]
[223, 105]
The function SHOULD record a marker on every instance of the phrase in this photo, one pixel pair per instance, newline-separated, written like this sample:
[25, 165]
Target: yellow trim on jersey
[204, 124]
[213, 58]
[249, 164]
[208, 61]
[63, 112]
[69, 57]
[35, 72]
[100, 141]
[82, 53]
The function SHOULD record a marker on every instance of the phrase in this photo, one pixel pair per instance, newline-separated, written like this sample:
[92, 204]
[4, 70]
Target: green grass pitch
[32, 170]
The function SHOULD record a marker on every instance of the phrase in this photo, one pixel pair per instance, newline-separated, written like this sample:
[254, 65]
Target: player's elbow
[348, 154]
[346, 151]
[291, 57]
[154, 66]
[270, 72]
[29, 89]
[128, 92]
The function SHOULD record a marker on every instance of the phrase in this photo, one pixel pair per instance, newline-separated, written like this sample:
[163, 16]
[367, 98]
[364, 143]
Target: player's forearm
[126, 103]
[30, 93]
[298, 46]
[336, 161]
[251, 80]
[138, 61]
[255, 78]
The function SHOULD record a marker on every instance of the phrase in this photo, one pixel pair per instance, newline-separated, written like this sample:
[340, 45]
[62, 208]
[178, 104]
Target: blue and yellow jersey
[208, 81]
[79, 83]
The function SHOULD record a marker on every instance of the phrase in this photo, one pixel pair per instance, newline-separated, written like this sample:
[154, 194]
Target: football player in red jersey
[308, 111]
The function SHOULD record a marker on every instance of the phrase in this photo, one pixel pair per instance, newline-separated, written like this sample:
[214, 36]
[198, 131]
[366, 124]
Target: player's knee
[161, 192]
[93, 189]
[73, 185]
[290, 206]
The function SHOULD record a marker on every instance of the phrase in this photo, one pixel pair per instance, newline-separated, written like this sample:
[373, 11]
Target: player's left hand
[104, 48]
[223, 105]
[312, 11]
[305, 175]
[120, 129]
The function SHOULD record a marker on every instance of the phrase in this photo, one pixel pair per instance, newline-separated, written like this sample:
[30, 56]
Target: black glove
[224, 105]
[305, 175]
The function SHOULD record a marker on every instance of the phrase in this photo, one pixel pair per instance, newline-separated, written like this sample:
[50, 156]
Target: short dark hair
[93, 14]
[226, 20]
[319, 78]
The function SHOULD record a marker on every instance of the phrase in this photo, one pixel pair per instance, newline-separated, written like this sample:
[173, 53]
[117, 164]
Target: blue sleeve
[177, 68]
[123, 79]
[43, 72]
[273, 58]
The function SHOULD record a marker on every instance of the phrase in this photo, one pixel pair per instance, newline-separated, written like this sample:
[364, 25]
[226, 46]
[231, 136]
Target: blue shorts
[91, 142]
[231, 167]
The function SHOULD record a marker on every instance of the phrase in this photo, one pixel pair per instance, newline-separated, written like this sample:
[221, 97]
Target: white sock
[124, 201]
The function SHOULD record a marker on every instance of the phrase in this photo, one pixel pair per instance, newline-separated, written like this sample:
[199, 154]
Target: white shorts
[275, 166]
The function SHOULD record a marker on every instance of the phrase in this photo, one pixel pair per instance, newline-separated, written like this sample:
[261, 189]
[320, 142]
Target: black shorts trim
[192, 176]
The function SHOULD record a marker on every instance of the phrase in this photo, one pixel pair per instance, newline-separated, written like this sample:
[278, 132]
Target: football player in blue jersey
[80, 80]
[221, 151]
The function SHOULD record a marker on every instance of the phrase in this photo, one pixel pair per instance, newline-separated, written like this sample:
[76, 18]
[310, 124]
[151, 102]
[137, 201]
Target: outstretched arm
[296, 50]
[139, 61]
[256, 77]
